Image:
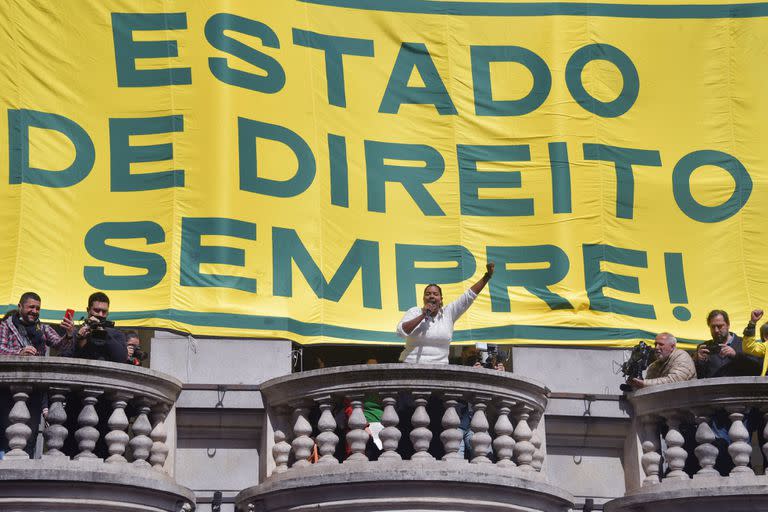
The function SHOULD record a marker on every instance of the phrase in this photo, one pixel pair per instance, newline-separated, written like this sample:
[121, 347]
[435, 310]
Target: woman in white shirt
[428, 330]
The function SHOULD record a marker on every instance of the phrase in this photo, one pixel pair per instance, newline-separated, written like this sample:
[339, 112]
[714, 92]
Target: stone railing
[687, 416]
[135, 443]
[422, 411]
[506, 413]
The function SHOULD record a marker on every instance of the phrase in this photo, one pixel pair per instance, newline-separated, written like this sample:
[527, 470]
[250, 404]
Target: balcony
[684, 413]
[504, 471]
[132, 477]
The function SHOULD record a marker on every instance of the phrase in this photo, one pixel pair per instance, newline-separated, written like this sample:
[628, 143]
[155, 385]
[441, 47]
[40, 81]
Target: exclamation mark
[673, 261]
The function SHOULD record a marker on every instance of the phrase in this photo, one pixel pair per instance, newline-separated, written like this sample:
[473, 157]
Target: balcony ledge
[34, 485]
[405, 485]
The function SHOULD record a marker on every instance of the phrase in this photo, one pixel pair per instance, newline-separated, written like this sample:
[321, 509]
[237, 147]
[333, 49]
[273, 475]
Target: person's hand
[477, 364]
[756, 315]
[29, 350]
[84, 331]
[637, 383]
[500, 367]
[489, 268]
[68, 325]
[130, 349]
[702, 353]
[430, 309]
[726, 351]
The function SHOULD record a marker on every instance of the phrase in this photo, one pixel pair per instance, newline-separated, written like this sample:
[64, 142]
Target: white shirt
[431, 338]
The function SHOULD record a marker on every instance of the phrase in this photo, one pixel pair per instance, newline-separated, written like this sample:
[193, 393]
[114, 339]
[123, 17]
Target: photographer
[135, 354]
[97, 338]
[723, 356]
[671, 365]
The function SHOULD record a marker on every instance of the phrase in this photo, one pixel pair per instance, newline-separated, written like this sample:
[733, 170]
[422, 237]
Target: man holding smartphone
[22, 333]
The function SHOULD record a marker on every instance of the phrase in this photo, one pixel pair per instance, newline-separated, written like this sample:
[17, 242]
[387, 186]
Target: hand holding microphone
[430, 309]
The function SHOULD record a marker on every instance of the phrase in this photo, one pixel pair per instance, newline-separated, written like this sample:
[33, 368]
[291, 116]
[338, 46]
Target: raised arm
[750, 345]
[478, 286]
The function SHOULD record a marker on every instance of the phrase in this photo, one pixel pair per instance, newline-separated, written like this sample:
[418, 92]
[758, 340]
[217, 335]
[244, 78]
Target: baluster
[706, 452]
[504, 444]
[421, 436]
[651, 459]
[18, 432]
[326, 439]
[390, 434]
[302, 444]
[281, 451]
[739, 449]
[765, 436]
[87, 435]
[55, 434]
[481, 440]
[675, 453]
[141, 443]
[524, 449]
[117, 437]
[451, 436]
[537, 461]
[357, 437]
[159, 450]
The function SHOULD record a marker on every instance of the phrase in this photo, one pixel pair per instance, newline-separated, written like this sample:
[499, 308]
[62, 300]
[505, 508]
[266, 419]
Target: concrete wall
[218, 418]
[587, 418]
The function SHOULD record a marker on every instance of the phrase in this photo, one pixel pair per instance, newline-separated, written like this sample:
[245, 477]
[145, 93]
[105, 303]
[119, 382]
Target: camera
[641, 356]
[489, 355]
[138, 353]
[714, 348]
[99, 323]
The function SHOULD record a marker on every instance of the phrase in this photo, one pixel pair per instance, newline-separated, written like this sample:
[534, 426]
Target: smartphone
[69, 314]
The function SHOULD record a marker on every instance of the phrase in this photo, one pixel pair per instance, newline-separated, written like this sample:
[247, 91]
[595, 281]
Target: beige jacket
[677, 367]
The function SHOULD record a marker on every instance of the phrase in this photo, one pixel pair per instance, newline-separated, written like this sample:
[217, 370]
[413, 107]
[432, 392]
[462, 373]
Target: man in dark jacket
[723, 356]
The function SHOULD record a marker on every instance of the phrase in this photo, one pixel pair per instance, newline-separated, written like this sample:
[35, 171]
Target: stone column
[141, 444]
[18, 431]
[357, 437]
[651, 459]
[481, 439]
[421, 435]
[327, 440]
[281, 451]
[675, 454]
[739, 449]
[87, 435]
[451, 436]
[524, 449]
[159, 450]
[765, 436]
[56, 433]
[117, 438]
[390, 435]
[504, 444]
[706, 452]
[302, 444]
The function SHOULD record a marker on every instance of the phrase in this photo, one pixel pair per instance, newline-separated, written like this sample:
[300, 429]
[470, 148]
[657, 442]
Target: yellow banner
[302, 168]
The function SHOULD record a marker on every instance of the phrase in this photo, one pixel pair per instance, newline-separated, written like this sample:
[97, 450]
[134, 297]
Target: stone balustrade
[422, 406]
[134, 403]
[674, 448]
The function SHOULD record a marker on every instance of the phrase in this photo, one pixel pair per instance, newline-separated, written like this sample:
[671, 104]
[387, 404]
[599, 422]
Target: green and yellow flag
[302, 168]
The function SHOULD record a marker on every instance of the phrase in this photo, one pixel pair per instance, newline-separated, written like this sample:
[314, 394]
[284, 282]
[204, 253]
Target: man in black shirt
[97, 338]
